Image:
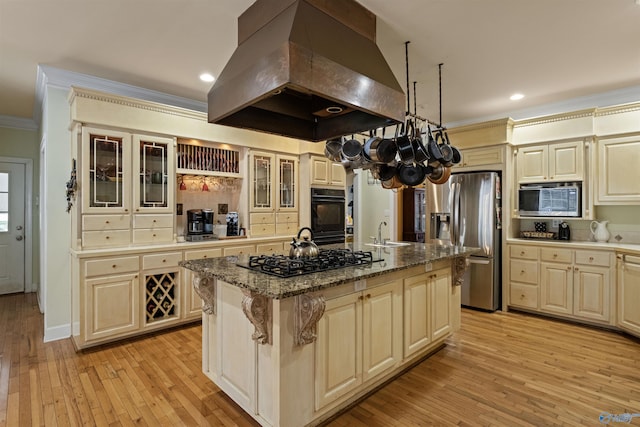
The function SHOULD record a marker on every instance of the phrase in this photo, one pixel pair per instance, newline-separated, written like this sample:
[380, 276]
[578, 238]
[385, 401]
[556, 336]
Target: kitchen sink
[388, 244]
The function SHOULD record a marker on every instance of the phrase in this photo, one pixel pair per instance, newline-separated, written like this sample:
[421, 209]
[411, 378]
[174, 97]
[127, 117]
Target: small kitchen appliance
[199, 225]
[207, 219]
[233, 229]
[564, 232]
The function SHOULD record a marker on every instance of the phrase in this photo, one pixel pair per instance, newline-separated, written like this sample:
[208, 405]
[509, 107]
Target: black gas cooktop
[327, 259]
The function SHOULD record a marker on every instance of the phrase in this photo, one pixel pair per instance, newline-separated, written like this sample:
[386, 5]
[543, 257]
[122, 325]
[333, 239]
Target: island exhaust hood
[307, 69]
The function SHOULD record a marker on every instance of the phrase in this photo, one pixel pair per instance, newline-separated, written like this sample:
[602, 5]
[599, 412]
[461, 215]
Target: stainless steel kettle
[303, 248]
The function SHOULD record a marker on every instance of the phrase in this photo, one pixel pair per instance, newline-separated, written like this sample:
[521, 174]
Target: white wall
[373, 204]
[56, 222]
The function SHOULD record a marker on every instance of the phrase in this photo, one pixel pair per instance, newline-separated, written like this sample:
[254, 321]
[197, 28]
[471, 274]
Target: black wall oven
[327, 215]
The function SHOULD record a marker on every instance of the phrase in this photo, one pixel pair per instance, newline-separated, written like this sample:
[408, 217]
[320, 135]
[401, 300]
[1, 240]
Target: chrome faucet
[379, 241]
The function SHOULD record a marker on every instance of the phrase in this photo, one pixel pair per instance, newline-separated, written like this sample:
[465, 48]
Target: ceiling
[558, 53]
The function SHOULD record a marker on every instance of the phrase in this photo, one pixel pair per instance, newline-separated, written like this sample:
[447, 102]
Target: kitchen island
[294, 351]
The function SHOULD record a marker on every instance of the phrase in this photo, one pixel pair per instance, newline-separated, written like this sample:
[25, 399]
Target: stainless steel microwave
[550, 200]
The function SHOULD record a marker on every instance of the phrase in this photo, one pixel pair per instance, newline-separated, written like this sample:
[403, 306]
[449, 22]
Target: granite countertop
[392, 259]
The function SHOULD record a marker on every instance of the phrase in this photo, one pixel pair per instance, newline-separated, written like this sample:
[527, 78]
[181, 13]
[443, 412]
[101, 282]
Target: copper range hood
[306, 69]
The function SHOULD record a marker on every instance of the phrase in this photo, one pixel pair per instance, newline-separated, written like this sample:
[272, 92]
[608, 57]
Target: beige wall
[24, 144]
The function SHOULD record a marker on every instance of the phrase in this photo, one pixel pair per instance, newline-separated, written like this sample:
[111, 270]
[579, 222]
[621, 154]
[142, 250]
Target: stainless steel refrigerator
[467, 211]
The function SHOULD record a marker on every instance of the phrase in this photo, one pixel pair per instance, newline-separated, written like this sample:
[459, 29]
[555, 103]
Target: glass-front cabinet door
[262, 174]
[154, 182]
[287, 183]
[106, 171]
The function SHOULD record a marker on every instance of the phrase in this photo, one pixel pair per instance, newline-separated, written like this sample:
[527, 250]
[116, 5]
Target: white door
[12, 197]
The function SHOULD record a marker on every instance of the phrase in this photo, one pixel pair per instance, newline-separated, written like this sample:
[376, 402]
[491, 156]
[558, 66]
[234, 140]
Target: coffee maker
[199, 224]
[232, 224]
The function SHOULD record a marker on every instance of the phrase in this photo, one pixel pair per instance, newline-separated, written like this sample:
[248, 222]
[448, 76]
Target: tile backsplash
[624, 224]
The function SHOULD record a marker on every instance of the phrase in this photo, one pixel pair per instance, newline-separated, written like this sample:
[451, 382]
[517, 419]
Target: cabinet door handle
[368, 296]
[164, 260]
[154, 221]
[106, 222]
[555, 255]
[360, 298]
[521, 253]
[154, 235]
[569, 268]
[113, 266]
[107, 237]
[575, 268]
[590, 259]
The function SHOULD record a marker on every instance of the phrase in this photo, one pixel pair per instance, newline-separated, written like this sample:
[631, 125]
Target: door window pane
[4, 202]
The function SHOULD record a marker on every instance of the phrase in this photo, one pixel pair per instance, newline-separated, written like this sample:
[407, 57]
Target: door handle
[18, 238]
[19, 228]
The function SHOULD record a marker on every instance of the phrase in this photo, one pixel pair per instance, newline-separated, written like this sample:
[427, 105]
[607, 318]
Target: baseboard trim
[57, 333]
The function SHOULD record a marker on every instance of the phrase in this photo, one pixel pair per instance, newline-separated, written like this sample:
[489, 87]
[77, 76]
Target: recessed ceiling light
[516, 96]
[206, 77]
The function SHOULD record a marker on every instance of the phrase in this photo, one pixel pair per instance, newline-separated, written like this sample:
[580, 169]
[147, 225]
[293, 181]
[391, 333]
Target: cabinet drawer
[108, 266]
[523, 252]
[205, 253]
[593, 258]
[105, 222]
[262, 218]
[153, 221]
[269, 248]
[523, 295]
[98, 239]
[556, 255]
[524, 271]
[286, 217]
[170, 259]
[239, 250]
[288, 228]
[263, 230]
[150, 235]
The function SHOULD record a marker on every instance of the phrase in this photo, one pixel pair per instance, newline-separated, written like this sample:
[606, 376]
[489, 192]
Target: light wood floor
[501, 369]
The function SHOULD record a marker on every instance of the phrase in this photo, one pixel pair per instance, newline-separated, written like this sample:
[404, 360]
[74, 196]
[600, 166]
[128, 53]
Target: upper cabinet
[105, 171]
[126, 188]
[618, 177]
[325, 172]
[554, 162]
[273, 194]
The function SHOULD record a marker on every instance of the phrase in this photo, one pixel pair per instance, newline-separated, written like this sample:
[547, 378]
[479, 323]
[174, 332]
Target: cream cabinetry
[110, 297]
[324, 172]
[161, 290]
[629, 293]
[524, 286]
[555, 162]
[358, 339]
[473, 157]
[273, 198]
[574, 283]
[427, 310]
[618, 177]
[126, 188]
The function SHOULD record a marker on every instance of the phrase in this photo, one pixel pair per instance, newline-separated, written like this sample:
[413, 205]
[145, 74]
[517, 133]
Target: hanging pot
[333, 149]
[457, 156]
[405, 147]
[445, 148]
[391, 183]
[303, 248]
[380, 150]
[420, 152]
[386, 171]
[439, 174]
[433, 148]
[411, 175]
[352, 149]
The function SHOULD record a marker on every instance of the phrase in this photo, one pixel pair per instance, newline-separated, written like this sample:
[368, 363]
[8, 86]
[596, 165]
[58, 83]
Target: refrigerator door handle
[455, 237]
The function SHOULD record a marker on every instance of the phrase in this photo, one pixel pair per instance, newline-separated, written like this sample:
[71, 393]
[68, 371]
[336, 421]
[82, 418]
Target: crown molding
[95, 95]
[555, 118]
[21, 123]
[618, 109]
[56, 77]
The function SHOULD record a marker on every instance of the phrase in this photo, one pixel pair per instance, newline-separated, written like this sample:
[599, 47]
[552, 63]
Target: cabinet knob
[137, 210]
[154, 221]
[550, 177]
[126, 210]
[522, 296]
[569, 268]
[164, 260]
[521, 253]
[590, 259]
[106, 237]
[555, 255]
[521, 271]
[154, 235]
[360, 298]
[368, 296]
[204, 256]
[106, 222]
[575, 268]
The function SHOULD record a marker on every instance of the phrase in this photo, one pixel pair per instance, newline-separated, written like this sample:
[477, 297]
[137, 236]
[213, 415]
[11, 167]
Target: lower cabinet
[427, 310]
[629, 293]
[358, 339]
[111, 306]
[192, 303]
[573, 283]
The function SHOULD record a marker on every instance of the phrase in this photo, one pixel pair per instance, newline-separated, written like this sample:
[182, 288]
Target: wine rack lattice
[161, 292]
